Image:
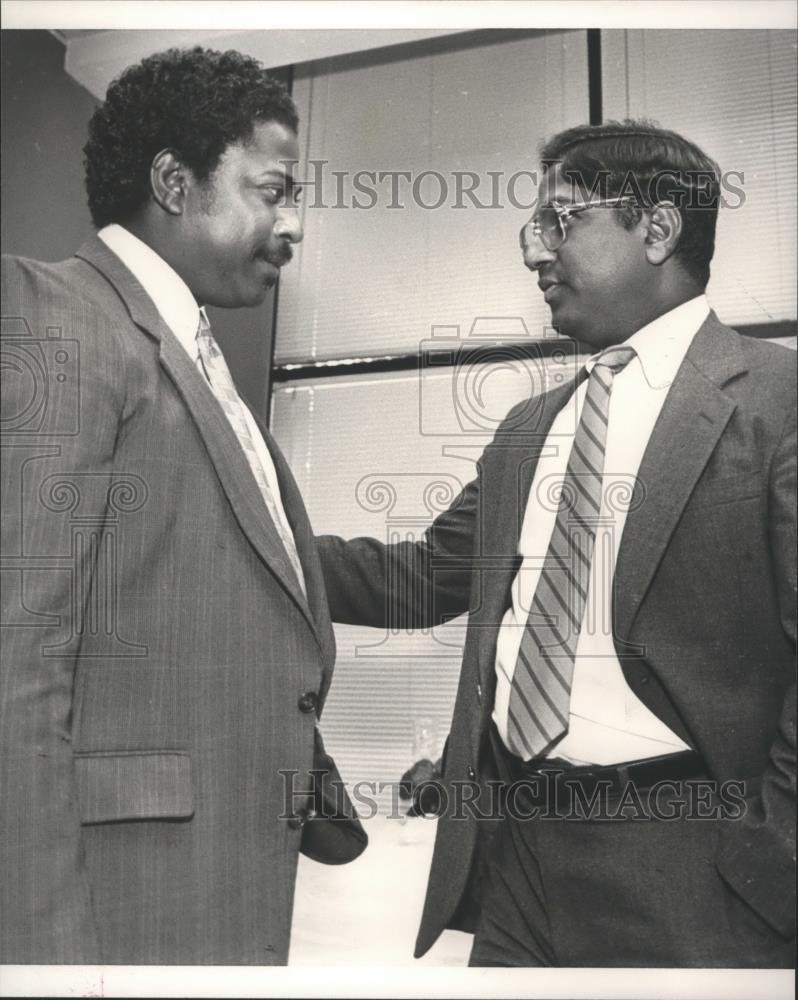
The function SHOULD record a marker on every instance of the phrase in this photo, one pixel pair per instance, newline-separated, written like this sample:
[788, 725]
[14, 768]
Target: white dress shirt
[179, 310]
[608, 723]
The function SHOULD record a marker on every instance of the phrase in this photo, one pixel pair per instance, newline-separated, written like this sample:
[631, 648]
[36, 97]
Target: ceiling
[95, 56]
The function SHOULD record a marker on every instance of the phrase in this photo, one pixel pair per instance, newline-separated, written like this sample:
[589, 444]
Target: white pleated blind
[381, 455]
[374, 281]
[734, 94]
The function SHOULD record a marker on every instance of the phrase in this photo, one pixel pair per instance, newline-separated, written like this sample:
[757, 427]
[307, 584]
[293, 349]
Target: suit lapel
[305, 540]
[692, 420]
[224, 451]
[230, 463]
[686, 433]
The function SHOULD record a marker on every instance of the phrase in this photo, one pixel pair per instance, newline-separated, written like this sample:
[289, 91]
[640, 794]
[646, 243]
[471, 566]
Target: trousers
[619, 885]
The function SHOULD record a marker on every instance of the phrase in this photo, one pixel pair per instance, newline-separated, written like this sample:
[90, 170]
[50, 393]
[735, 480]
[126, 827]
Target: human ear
[663, 230]
[168, 177]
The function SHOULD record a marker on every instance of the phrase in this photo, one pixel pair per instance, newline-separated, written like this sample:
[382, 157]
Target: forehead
[273, 148]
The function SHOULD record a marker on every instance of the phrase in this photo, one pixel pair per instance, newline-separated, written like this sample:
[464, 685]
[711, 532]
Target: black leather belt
[538, 775]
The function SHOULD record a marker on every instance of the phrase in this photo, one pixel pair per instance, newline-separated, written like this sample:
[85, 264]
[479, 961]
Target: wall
[44, 116]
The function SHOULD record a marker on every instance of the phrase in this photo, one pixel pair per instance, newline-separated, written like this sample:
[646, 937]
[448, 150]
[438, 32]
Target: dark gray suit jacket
[156, 643]
[704, 602]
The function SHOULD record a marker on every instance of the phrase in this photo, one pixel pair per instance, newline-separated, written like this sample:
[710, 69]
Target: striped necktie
[540, 694]
[221, 382]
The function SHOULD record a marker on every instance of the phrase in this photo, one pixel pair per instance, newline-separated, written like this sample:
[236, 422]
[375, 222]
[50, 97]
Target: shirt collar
[171, 295]
[662, 344]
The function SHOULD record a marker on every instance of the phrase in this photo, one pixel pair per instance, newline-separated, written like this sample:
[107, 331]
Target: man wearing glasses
[626, 555]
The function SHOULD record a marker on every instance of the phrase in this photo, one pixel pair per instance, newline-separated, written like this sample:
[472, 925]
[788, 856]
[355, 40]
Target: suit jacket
[156, 644]
[703, 603]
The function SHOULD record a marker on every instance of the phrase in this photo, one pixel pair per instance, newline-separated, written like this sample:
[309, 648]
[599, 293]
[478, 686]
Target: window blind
[734, 94]
[381, 456]
[374, 281]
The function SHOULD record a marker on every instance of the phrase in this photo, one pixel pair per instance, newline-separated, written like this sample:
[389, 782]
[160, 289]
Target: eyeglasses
[550, 223]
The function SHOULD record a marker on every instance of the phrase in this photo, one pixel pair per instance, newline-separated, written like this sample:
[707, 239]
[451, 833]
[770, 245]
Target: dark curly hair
[637, 158]
[195, 101]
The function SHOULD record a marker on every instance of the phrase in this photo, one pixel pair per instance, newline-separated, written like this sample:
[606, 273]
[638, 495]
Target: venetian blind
[432, 121]
[734, 94]
[382, 455]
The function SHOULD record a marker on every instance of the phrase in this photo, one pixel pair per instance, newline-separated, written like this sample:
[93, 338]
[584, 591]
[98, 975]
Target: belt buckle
[609, 780]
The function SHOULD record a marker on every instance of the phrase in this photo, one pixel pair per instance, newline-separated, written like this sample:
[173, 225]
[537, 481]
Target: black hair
[635, 158]
[195, 101]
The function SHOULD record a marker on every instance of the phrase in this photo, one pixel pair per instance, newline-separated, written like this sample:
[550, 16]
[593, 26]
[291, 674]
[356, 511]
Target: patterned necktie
[221, 382]
[540, 695]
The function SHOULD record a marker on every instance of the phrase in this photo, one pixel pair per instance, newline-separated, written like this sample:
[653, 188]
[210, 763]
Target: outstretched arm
[407, 584]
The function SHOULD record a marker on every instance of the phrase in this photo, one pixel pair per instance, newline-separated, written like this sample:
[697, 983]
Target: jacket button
[472, 774]
[298, 820]
[479, 692]
[308, 701]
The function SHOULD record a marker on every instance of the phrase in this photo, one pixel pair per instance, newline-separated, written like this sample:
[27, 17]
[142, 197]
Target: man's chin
[576, 328]
[244, 300]
[258, 297]
[256, 292]
[562, 325]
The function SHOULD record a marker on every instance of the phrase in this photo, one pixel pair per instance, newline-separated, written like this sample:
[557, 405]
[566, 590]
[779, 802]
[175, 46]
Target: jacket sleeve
[62, 407]
[408, 584]
[417, 584]
[758, 860]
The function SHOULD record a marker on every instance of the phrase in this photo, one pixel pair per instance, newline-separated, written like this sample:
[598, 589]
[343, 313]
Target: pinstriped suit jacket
[155, 643]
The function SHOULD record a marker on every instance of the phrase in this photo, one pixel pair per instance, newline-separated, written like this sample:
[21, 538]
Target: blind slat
[734, 94]
[376, 281]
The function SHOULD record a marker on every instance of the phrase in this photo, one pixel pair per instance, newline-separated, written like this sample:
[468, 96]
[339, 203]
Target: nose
[288, 225]
[535, 254]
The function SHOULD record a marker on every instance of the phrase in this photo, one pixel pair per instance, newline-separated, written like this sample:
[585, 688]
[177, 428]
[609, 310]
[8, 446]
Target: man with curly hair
[175, 658]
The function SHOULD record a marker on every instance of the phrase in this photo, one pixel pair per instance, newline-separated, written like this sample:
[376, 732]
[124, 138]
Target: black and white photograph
[398, 566]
